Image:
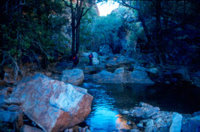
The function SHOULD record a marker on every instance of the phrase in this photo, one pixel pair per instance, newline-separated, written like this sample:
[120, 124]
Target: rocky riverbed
[152, 119]
[52, 102]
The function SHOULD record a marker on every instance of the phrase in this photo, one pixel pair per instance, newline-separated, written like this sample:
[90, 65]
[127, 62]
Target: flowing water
[110, 99]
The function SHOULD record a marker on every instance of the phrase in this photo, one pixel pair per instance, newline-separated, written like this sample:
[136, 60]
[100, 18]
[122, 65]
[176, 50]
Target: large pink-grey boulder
[53, 105]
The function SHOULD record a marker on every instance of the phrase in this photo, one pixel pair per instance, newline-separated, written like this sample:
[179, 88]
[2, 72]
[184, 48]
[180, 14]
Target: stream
[110, 99]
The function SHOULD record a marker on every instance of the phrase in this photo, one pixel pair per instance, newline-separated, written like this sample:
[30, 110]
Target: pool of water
[109, 99]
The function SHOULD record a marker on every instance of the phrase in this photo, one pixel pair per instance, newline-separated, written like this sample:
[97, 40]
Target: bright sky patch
[105, 8]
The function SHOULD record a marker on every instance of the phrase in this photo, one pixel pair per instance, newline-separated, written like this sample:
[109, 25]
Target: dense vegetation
[30, 29]
[160, 32]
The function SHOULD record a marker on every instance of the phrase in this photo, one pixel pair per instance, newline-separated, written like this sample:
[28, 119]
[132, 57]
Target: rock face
[53, 105]
[74, 76]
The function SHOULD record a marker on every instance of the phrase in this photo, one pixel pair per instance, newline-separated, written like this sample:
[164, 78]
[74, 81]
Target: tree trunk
[145, 28]
[77, 39]
[73, 28]
[141, 19]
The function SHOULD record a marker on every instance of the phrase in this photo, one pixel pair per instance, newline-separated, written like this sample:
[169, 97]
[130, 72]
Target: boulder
[103, 77]
[53, 105]
[118, 61]
[139, 77]
[120, 75]
[192, 125]
[144, 111]
[176, 122]
[151, 119]
[150, 126]
[107, 77]
[73, 76]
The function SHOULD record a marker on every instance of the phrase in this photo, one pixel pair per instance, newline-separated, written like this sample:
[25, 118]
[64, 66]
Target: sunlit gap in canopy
[106, 7]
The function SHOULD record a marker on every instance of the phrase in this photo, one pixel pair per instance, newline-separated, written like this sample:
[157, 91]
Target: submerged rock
[53, 105]
[73, 76]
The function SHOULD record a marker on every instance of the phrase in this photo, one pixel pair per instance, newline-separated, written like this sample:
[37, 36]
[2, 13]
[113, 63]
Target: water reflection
[103, 116]
[110, 98]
